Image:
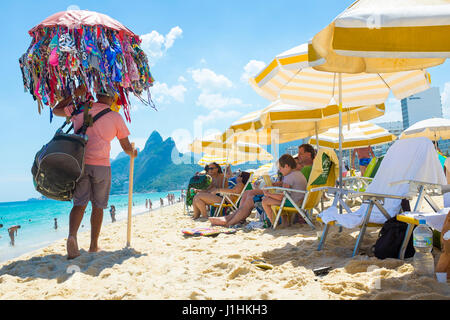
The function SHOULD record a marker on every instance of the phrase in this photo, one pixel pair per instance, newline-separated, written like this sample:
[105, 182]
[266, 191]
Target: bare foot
[218, 221]
[72, 248]
[94, 249]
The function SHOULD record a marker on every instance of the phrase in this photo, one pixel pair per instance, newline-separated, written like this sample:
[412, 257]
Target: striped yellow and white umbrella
[386, 36]
[231, 153]
[221, 161]
[294, 81]
[360, 135]
[433, 128]
[291, 122]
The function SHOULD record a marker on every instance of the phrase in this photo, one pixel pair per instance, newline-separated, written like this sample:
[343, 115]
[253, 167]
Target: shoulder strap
[97, 116]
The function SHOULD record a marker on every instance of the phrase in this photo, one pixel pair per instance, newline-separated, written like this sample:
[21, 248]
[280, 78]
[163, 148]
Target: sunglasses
[210, 168]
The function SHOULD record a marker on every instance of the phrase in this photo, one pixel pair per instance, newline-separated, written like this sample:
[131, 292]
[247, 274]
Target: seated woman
[202, 199]
[247, 202]
[292, 179]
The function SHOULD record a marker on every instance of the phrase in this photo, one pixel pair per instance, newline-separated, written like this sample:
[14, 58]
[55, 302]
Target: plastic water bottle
[423, 244]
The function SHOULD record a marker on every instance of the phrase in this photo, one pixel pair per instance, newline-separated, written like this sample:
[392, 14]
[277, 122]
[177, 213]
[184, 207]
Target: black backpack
[59, 164]
[390, 240]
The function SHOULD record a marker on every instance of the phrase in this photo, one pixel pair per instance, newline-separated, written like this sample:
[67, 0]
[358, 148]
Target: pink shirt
[100, 134]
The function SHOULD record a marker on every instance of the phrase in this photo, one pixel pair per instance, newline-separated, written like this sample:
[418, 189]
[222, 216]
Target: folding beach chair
[434, 219]
[408, 159]
[227, 202]
[324, 173]
[360, 184]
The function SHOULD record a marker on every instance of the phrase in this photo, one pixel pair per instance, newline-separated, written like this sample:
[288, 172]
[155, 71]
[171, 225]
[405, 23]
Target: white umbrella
[433, 128]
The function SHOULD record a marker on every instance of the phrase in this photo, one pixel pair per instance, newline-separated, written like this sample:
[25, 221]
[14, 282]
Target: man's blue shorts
[364, 162]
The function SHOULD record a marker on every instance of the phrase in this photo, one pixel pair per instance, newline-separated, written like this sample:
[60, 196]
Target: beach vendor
[364, 158]
[95, 184]
[203, 199]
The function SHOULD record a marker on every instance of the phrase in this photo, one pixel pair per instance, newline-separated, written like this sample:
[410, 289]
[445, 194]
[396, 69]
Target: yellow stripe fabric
[360, 135]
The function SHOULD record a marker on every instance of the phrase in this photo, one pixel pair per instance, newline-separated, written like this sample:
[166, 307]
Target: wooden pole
[130, 197]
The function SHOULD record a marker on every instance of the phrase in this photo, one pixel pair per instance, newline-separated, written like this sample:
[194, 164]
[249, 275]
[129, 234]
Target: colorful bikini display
[59, 59]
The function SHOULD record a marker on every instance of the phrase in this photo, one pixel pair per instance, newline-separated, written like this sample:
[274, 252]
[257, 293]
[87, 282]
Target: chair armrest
[284, 189]
[229, 194]
[334, 190]
[371, 195]
[357, 178]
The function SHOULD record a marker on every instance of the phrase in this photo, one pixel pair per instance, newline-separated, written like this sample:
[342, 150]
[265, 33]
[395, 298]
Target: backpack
[390, 240]
[201, 182]
[59, 164]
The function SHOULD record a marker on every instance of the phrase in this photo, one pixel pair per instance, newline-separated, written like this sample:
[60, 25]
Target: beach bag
[200, 182]
[59, 164]
[390, 240]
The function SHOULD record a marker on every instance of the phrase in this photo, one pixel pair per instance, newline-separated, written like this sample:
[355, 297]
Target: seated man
[306, 155]
[201, 200]
[247, 203]
[292, 179]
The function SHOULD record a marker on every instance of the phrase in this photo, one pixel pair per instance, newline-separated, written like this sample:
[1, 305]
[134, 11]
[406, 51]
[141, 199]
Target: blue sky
[201, 52]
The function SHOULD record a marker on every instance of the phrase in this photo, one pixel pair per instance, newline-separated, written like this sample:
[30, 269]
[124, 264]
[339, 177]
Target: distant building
[421, 106]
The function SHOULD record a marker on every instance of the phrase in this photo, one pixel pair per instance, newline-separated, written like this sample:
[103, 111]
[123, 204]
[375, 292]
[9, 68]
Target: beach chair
[227, 202]
[434, 219]
[324, 173]
[408, 159]
[360, 184]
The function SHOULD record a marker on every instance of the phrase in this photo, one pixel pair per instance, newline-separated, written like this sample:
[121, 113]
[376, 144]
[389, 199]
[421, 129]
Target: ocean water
[36, 220]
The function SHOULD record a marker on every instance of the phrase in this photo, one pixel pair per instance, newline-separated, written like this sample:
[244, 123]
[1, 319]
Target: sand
[162, 263]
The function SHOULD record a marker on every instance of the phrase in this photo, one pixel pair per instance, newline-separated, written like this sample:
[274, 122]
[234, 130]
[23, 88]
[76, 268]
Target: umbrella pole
[317, 136]
[340, 138]
[130, 197]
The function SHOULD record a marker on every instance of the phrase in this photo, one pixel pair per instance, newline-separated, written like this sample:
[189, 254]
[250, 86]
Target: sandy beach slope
[165, 264]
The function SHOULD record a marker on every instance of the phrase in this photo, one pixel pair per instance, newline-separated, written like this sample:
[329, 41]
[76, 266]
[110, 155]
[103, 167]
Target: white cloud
[251, 69]
[207, 80]
[161, 92]
[116, 148]
[155, 45]
[217, 101]
[217, 115]
[445, 100]
[182, 79]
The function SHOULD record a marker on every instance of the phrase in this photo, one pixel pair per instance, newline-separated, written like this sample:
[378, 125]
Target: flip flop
[262, 264]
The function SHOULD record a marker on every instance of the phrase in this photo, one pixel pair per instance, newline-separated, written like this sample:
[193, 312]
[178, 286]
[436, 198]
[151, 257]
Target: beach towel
[406, 159]
[207, 231]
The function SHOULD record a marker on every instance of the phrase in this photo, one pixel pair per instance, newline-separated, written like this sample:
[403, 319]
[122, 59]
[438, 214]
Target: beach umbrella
[80, 47]
[359, 135]
[292, 79]
[227, 152]
[220, 160]
[433, 129]
[281, 122]
[386, 36]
